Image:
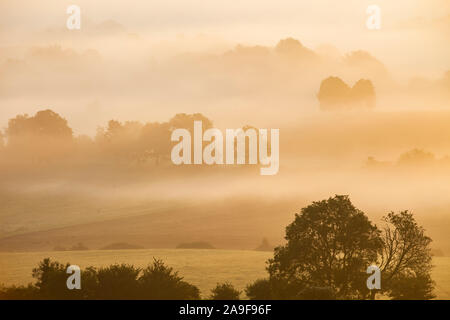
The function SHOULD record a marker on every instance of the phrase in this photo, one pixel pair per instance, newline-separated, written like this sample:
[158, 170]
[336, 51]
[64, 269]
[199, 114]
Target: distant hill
[78, 247]
[152, 226]
[121, 246]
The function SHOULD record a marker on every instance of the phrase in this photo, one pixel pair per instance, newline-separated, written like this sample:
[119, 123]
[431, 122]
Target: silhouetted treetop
[335, 94]
[329, 244]
[225, 291]
[117, 281]
[294, 48]
[43, 123]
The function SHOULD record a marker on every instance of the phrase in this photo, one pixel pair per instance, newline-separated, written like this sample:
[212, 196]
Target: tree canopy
[335, 94]
[330, 244]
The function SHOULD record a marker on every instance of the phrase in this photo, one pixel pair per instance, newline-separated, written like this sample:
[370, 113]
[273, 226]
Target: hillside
[218, 223]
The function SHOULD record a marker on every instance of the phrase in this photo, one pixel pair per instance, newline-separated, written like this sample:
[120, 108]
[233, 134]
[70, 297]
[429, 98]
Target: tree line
[328, 248]
[47, 138]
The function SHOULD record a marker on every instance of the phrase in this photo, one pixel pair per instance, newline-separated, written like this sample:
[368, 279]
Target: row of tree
[329, 246]
[46, 137]
[118, 281]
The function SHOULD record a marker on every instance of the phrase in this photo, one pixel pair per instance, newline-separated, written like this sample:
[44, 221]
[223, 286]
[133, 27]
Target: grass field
[203, 268]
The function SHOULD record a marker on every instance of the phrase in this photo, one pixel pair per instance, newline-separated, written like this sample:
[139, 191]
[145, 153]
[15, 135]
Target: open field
[203, 268]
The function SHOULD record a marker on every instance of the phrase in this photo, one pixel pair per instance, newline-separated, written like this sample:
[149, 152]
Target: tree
[2, 141]
[118, 139]
[160, 282]
[274, 288]
[51, 280]
[186, 121]
[260, 289]
[43, 137]
[225, 291]
[155, 141]
[329, 244]
[333, 93]
[416, 157]
[362, 62]
[117, 282]
[405, 259]
[363, 93]
[264, 246]
[28, 292]
[413, 286]
[43, 123]
[292, 48]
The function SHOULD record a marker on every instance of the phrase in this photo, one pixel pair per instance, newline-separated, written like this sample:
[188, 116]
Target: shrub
[160, 282]
[117, 281]
[225, 291]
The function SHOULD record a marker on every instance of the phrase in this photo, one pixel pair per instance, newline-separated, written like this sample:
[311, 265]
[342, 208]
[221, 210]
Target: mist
[241, 64]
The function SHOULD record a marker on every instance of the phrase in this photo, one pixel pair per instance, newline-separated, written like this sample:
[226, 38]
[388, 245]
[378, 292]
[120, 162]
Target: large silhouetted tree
[329, 244]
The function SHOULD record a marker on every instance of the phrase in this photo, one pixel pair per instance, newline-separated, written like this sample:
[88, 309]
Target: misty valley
[187, 151]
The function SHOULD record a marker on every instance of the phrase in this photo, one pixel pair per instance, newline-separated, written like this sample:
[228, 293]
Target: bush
[273, 289]
[159, 282]
[18, 292]
[117, 281]
[412, 287]
[51, 280]
[225, 291]
[259, 290]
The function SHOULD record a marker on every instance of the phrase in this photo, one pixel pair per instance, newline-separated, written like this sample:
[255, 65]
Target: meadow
[201, 267]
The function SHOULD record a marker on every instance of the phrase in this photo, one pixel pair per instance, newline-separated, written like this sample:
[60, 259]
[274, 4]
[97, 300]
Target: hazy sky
[418, 29]
[130, 35]
[129, 75]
